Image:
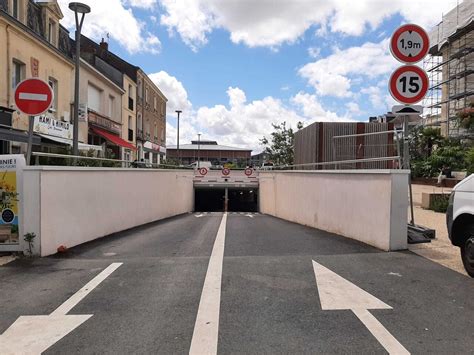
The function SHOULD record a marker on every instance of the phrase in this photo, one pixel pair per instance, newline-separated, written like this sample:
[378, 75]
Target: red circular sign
[408, 84]
[33, 97]
[248, 171]
[203, 171]
[409, 43]
[225, 171]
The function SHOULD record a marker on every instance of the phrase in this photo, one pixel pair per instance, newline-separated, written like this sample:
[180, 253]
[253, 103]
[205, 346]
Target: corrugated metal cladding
[315, 144]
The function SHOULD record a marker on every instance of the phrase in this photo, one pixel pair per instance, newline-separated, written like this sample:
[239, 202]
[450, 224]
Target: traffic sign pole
[31, 121]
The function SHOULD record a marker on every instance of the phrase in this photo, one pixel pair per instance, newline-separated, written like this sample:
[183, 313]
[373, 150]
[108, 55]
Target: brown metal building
[316, 144]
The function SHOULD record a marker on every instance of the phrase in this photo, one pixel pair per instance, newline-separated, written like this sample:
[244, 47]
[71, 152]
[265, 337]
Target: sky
[234, 67]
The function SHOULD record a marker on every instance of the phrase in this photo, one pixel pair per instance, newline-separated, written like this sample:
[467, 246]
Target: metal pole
[406, 164]
[199, 150]
[177, 144]
[75, 139]
[30, 139]
[226, 200]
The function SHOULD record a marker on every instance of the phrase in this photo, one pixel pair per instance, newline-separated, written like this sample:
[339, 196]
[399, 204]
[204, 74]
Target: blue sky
[236, 66]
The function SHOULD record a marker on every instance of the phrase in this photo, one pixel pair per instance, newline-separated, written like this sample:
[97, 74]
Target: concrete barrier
[366, 205]
[69, 206]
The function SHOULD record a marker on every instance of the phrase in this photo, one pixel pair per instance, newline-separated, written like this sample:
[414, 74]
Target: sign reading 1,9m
[409, 44]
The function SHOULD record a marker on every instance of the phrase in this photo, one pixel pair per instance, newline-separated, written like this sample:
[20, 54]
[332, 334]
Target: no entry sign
[408, 84]
[33, 97]
[409, 44]
[225, 171]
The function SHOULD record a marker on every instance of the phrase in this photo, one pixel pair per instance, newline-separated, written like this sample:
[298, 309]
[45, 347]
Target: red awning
[113, 138]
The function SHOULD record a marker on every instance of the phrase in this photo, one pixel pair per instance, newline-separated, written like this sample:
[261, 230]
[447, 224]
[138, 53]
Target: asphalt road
[269, 298]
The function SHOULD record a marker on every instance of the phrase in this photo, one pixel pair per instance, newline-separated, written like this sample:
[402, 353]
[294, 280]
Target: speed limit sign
[408, 84]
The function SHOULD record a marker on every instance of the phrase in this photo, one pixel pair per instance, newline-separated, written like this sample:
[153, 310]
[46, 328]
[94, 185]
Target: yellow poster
[9, 200]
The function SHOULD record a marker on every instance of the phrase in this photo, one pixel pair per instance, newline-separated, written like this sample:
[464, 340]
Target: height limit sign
[409, 83]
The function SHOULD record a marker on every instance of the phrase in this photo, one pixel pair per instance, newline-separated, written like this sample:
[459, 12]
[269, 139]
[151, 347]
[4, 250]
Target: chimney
[104, 46]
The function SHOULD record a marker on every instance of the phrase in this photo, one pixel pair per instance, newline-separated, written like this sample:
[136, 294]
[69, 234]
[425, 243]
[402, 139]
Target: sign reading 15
[408, 84]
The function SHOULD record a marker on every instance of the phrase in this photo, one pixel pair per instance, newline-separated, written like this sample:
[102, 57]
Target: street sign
[248, 171]
[225, 171]
[33, 97]
[415, 110]
[408, 84]
[409, 43]
[203, 171]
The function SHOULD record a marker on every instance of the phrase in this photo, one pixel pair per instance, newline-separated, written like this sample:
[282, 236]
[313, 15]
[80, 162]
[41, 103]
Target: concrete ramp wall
[70, 206]
[366, 205]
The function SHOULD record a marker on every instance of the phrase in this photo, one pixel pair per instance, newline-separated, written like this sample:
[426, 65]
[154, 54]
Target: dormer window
[52, 32]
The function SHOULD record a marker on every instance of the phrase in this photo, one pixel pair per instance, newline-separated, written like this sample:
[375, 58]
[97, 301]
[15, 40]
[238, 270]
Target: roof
[207, 147]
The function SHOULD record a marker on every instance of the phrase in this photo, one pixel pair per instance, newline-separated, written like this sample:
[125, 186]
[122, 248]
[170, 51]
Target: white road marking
[206, 328]
[198, 215]
[33, 97]
[35, 334]
[249, 215]
[336, 293]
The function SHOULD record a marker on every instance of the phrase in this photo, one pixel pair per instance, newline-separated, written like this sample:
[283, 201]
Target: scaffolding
[450, 67]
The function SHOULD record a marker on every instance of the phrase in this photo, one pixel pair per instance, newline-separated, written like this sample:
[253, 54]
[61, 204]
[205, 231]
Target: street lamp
[82, 9]
[199, 150]
[177, 145]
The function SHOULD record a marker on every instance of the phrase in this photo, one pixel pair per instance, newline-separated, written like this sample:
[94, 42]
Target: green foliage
[470, 161]
[281, 147]
[440, 203]
[29, 238]
[430, 151]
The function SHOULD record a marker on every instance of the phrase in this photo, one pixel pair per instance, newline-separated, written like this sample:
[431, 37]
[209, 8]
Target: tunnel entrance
[214, 200]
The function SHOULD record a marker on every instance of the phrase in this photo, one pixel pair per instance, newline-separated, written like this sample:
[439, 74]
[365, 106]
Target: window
[130, 97]
[52, 32]
[156, 132]
[140, 89]
[16, 9]
[154, 103]
[111, 106]
[130, 129]
[163, 108]
[18, 73]
[93, 98]
[54, 86]
[140, 122]
[162, 136]
[146, 95]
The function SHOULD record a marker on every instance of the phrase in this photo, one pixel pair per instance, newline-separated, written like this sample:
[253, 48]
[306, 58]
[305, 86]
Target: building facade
[151, 120]
[33, 45]
[209, 151]
[450, 68]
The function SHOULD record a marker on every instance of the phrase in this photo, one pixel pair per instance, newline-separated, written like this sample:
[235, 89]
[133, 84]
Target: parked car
[460, 221]
[267, 166]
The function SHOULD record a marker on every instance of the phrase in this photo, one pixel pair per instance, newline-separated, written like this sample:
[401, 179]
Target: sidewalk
[440, 250]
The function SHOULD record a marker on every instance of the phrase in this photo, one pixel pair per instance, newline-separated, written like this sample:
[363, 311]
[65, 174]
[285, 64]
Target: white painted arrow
[336, 293]
[35, 334]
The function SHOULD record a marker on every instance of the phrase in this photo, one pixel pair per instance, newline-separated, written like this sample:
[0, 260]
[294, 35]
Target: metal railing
[337, 163]
[103, 162]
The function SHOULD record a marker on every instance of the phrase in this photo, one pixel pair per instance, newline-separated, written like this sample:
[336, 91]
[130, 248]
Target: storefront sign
[104, 122]
[155, 147]
[34, 67]
[11, 167]
[50, 126]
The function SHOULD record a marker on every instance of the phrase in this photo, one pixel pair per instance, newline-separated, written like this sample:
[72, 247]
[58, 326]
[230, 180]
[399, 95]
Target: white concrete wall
[70, 206]
[366, 205]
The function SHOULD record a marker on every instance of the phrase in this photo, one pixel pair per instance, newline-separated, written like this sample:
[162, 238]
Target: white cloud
[111, 17]
[332, 75]
[314, 111]
[272, 23]
[314, 52]
[174, 91]
[353, 108]
[143, 4]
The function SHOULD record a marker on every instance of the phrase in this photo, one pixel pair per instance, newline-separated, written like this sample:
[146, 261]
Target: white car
[460, 221]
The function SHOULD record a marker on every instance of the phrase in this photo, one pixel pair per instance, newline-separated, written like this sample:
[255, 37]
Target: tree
[281, 149]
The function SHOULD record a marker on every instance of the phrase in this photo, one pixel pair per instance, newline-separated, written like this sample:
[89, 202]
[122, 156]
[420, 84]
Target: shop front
[153, 153]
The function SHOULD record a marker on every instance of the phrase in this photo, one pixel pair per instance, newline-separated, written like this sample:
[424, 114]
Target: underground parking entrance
[229, 199]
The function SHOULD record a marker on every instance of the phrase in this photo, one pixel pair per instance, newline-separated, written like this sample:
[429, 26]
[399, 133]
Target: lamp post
[82, 9]
[177, 143]
[199, 150]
